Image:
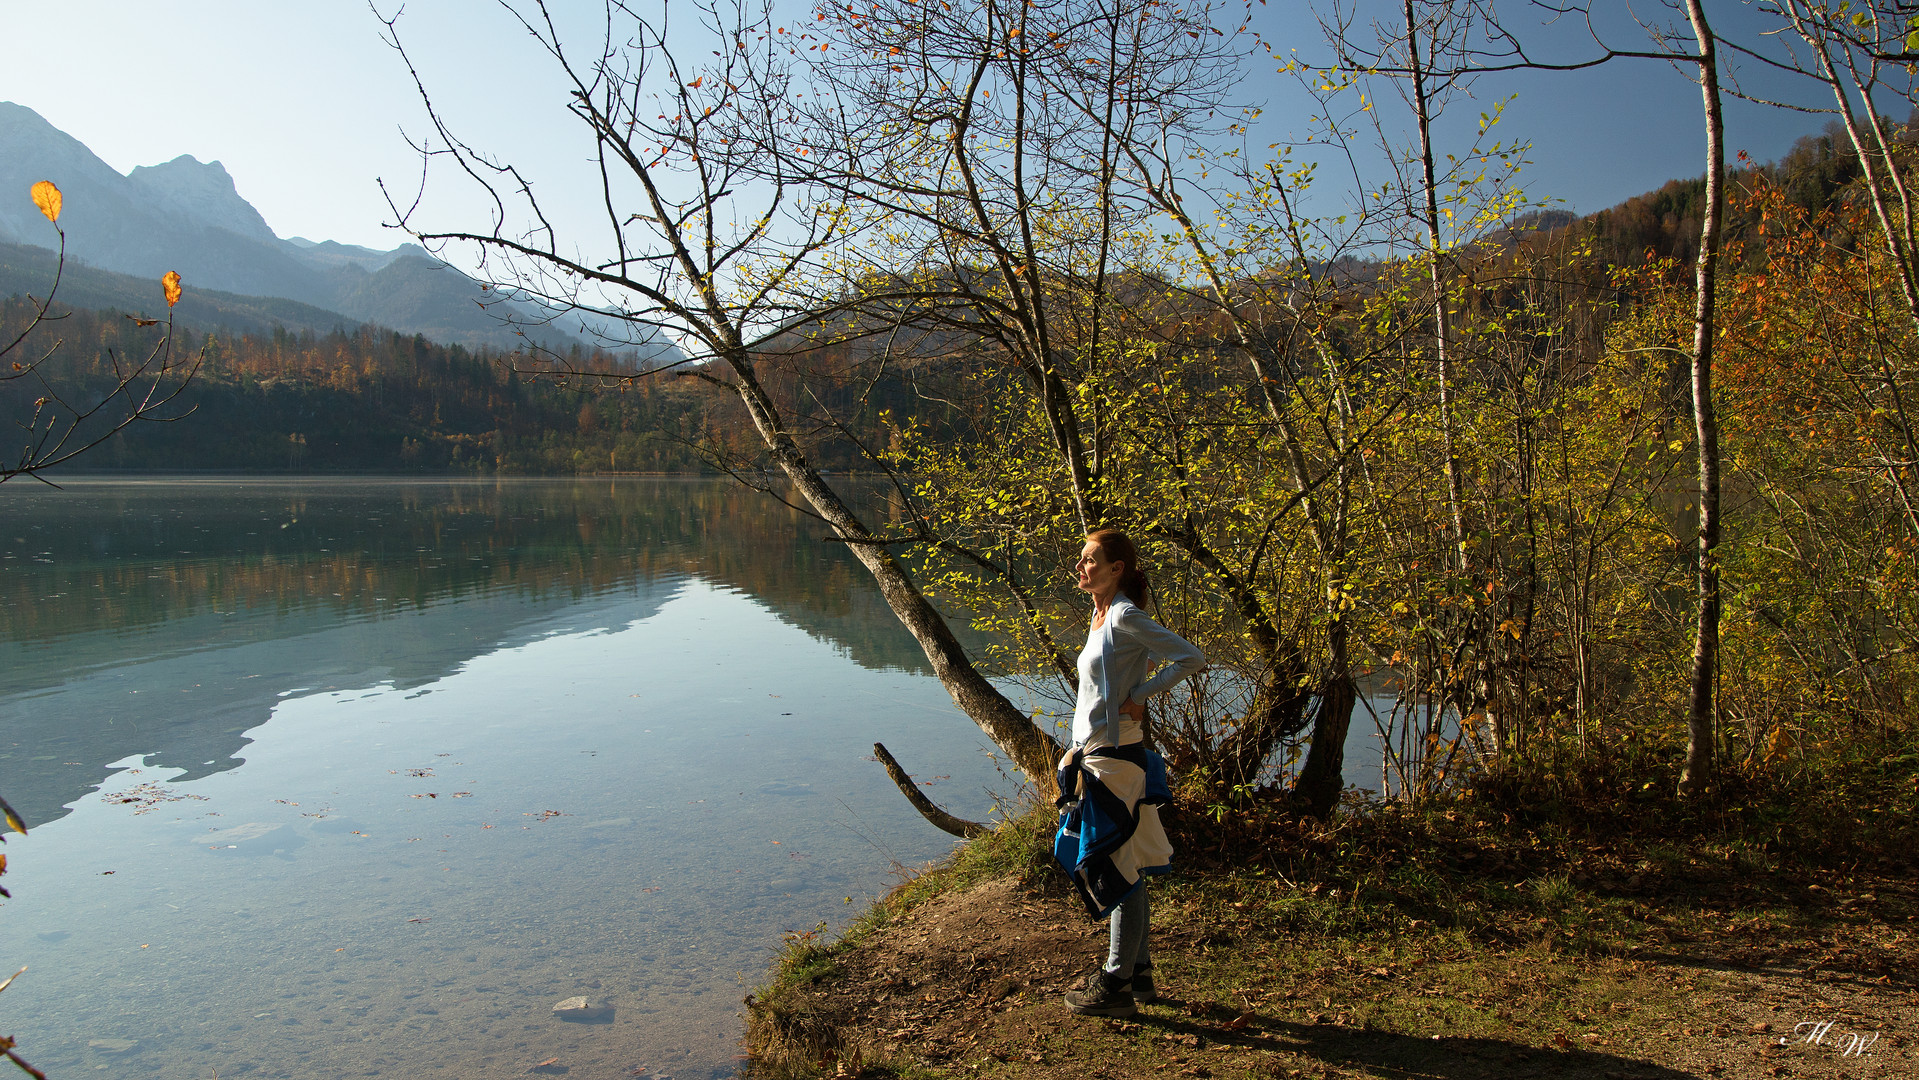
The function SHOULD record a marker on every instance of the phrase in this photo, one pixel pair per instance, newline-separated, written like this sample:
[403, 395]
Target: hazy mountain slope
[331, 254]
[113, 222]
[432, 297]
[28, 271]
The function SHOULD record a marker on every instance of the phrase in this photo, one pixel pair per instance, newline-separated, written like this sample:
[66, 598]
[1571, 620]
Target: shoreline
[1265, 974]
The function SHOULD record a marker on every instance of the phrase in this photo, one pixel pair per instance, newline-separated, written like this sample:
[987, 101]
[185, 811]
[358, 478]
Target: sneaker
[1104, 995]
[1143, 991]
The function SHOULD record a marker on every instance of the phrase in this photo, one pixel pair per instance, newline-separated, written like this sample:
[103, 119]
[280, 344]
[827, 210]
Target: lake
[331, 777]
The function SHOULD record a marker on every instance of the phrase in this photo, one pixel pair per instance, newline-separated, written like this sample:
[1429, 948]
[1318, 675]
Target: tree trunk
[1697, 773]
[1032, 750]
[1442, 319]
[940, 819]
[1276, 714]
[1316, 792]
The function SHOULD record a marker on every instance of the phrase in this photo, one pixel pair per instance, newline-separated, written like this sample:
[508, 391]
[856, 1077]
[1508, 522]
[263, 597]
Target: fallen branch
[942, 820]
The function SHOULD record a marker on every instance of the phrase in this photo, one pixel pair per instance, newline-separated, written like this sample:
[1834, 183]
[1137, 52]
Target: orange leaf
[170, 282]
[695, 84]
[47, 198]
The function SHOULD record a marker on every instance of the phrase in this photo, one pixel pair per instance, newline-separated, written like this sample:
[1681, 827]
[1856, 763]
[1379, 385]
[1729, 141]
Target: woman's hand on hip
[1133, 711]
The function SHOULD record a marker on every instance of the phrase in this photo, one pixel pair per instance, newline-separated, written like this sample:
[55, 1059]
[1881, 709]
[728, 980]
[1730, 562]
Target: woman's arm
[1183, 658]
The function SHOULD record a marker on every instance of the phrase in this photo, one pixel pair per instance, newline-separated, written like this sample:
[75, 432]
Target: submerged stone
[582, 1010]
[254, 837]
[113, 1046]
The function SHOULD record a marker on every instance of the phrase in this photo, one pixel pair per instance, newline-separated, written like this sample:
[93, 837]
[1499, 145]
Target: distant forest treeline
[362, 400]
[1815, 176]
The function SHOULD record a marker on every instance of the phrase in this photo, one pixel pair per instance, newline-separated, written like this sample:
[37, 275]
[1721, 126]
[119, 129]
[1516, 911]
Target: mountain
[332, 253]
[201, 193]
[186, 215]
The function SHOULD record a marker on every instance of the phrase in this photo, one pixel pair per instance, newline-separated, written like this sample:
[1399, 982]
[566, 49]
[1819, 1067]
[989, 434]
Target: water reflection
[168, 615]
[404, 883]
[504, 744]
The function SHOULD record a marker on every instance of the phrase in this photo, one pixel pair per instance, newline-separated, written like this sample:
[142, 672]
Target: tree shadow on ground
[1856, 965]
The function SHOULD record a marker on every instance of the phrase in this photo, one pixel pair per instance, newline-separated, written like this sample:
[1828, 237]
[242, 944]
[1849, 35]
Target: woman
[1110, 833]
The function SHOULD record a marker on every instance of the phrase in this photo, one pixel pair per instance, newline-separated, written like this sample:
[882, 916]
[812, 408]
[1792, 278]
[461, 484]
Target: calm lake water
[333, 778]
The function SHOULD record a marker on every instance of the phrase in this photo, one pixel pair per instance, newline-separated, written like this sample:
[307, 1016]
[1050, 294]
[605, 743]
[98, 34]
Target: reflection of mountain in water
[191, 710]
[168, 618]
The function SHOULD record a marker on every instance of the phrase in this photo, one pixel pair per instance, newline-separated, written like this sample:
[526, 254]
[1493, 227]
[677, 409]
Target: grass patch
[1020, 848]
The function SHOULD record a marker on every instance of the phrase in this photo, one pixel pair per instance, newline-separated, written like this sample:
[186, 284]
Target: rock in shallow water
[113, 1046]
[582, 1010]
[252, 838]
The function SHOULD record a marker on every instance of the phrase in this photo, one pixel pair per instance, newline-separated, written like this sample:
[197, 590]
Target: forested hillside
[367, 400]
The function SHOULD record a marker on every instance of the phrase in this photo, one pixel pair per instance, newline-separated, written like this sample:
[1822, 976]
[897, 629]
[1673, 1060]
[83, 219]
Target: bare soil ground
[967, 983]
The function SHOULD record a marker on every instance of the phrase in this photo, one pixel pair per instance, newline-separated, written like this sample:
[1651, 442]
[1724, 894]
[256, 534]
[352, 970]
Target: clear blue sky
[305, 106]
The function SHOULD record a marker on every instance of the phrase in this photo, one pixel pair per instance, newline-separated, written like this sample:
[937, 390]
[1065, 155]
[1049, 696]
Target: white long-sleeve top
[1113, 667]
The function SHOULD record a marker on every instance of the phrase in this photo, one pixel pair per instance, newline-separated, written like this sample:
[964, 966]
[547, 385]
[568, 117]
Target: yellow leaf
[1778, 745]
[13, 819]
[47, 198]
[171, 283]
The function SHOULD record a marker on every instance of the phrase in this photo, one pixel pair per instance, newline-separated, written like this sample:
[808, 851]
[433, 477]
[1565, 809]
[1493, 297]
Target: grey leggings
[1128, 948]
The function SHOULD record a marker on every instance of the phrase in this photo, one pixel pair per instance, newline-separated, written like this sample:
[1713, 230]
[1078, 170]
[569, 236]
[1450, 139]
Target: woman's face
[1096, 575]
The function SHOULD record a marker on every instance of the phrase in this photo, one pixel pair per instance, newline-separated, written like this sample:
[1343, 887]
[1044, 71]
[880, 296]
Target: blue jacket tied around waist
[1109, 829]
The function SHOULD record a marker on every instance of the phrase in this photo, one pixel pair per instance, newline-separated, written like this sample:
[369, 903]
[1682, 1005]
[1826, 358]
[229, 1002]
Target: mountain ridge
[189, 216]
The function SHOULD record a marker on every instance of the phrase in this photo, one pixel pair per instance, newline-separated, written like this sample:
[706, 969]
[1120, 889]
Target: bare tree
[1864, 55]
[1016, 153]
